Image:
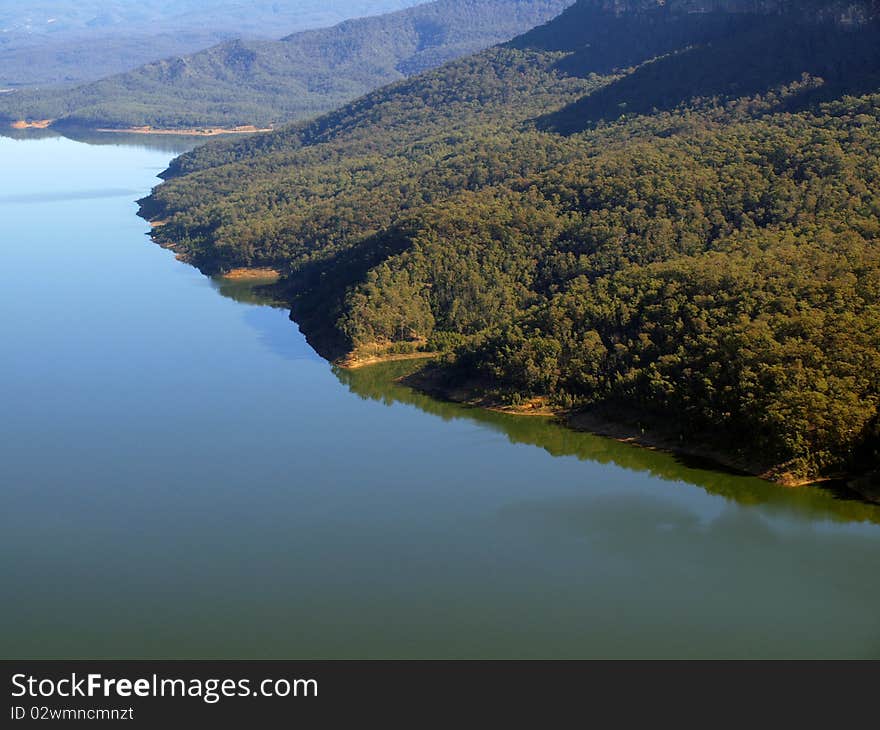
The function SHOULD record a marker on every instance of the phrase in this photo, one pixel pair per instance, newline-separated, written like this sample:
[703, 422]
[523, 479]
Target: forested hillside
[606, 215]
[264, 83]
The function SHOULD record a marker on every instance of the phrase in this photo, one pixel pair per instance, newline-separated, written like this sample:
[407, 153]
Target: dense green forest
[63, 42]
[654, 233]
[263, 83]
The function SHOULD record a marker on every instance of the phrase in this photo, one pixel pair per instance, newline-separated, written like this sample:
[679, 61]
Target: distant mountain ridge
[266, 83]
[47, 43]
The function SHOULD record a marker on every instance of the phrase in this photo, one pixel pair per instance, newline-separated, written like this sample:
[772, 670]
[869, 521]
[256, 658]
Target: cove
[183, 477]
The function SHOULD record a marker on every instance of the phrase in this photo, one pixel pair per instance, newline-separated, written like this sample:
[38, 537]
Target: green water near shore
[183, 477]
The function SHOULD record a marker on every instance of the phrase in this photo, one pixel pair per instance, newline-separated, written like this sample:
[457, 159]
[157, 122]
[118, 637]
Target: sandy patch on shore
[34, 124]
[245, 274]
[200, 132]
[353, 362]
[432, 382]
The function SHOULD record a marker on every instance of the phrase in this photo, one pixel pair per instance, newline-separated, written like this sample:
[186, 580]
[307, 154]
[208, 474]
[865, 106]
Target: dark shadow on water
[693, 461]
[248, 291]
[279, 335]
[267, 315]
[378, 383]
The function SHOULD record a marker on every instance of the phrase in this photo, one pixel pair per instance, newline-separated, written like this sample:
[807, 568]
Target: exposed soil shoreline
[183, 132]
[186, 132]
[35, 124]
[430, 381]
[248, 274]
[354, 362]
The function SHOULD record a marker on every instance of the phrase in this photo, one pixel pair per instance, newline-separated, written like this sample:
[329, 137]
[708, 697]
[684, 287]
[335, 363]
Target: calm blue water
[182, 477]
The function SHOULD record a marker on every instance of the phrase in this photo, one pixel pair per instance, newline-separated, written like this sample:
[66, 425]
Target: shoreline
[35, 124]
[354, 362]
[186, 131]
[261, 274]
[428, 381]
[146, 129]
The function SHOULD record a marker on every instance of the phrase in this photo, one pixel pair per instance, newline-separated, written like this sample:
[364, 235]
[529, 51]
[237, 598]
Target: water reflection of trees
[378, 383]
[171, 143]
[249, 291]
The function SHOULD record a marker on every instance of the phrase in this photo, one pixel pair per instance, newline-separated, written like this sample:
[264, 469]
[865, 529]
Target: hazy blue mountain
[46, 42]
[247, 82]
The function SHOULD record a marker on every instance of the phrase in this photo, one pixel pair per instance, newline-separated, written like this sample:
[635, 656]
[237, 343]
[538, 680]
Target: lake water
[182, 477]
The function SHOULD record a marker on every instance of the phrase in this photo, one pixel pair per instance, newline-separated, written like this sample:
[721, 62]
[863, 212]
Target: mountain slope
[266, 82]
[53, 42]
[579, 229]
